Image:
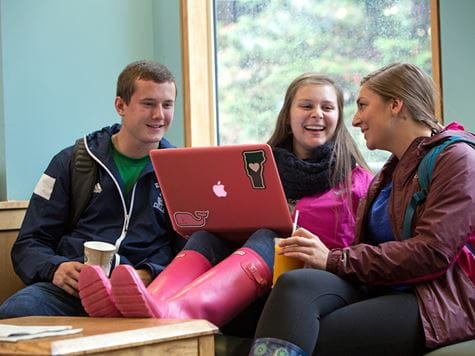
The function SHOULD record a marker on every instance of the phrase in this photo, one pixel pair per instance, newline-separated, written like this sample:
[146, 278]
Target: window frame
[198, 59]
[197, 34]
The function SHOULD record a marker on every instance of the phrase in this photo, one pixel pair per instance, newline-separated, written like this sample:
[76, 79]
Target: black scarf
[304, 177]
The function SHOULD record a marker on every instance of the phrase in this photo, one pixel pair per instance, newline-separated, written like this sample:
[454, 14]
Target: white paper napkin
[12, 333]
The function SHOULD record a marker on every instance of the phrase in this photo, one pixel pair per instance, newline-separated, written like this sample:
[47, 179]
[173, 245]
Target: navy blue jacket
[137, 224]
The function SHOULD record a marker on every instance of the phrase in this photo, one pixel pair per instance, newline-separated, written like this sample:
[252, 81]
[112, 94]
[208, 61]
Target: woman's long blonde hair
[344, 149]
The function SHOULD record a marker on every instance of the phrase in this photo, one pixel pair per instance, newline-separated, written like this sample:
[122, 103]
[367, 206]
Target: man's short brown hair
[145, 70]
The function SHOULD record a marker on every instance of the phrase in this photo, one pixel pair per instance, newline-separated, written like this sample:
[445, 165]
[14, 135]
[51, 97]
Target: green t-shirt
[129, 168]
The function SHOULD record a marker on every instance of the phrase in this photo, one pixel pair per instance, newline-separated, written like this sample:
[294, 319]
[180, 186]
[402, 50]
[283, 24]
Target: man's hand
[66, 277]
[306, 247]
[145, 275]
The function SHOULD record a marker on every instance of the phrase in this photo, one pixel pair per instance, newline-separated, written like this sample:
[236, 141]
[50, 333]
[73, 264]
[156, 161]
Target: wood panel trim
[198, 74]
[13, 204]
[12, 214]
[11, 218]
[436, 57]
[10, 281]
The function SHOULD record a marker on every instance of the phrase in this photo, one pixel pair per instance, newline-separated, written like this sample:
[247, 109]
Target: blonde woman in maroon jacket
[386, 295]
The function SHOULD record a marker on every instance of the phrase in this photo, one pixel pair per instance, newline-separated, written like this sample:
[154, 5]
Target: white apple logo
[218, 190]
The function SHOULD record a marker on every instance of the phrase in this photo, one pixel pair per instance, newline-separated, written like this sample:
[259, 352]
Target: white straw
[295, 221]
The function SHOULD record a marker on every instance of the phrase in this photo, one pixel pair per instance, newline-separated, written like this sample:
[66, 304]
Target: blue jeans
[41, 298]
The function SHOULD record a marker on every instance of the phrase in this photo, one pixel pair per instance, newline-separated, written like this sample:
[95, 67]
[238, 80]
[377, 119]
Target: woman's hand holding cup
[306, 247]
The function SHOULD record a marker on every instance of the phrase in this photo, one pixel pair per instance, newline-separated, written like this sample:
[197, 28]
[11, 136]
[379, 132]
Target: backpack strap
[424, 174]
[83, 177]
[470, 248]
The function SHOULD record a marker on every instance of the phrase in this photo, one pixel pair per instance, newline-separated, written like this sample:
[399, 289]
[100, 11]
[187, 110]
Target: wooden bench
[11, 216]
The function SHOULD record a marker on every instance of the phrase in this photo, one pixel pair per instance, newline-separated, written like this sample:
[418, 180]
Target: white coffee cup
[100, 254]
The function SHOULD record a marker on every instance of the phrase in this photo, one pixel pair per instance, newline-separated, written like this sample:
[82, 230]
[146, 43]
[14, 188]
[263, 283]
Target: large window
[261, 45]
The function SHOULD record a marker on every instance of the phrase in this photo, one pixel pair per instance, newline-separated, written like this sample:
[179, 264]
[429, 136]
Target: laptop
[230, 191]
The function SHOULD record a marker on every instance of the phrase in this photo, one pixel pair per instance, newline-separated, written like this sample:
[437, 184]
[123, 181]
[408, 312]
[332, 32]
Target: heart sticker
[254, 166]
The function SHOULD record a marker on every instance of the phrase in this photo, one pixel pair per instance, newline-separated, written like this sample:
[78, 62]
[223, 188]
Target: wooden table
[116, 336]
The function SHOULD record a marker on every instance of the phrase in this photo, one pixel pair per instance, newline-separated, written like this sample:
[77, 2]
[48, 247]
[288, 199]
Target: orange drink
[283, 263]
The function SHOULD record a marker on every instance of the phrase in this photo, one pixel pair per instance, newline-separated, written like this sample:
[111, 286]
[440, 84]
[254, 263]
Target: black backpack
[83, 177]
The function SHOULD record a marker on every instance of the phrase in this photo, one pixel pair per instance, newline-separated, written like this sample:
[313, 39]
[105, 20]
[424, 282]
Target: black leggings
[326, 315]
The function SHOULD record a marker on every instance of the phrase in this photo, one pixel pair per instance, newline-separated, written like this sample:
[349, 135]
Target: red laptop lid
[230, 191]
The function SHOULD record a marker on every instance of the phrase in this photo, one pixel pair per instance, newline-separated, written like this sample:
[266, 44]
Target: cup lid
[99, 245]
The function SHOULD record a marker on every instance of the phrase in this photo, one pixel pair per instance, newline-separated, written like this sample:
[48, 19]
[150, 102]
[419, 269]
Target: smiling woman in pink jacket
[322, 171]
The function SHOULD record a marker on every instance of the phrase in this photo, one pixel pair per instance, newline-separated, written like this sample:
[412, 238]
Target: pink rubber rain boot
[217, 295]
[185, 267]
[95, 293]
[95, 290]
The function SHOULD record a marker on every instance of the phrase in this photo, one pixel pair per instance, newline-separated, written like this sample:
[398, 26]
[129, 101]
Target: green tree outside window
[264, 44]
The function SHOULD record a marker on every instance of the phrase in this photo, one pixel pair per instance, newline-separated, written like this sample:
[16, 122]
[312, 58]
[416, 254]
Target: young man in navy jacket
[126, 207]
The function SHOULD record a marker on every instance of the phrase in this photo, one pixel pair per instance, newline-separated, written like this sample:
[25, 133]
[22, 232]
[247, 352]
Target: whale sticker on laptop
[188, 219]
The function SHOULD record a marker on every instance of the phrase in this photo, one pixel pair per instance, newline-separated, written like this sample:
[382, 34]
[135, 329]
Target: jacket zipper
[127, 215]
[125, 228]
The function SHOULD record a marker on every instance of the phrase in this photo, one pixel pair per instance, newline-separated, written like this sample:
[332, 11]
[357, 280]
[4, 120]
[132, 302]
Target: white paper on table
[12, 333]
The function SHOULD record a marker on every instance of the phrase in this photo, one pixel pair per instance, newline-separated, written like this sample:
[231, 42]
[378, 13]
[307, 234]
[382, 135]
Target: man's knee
[41, 299]
[23, 303]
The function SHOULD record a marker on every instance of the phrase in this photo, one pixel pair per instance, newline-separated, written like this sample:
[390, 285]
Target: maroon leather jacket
[442, 226]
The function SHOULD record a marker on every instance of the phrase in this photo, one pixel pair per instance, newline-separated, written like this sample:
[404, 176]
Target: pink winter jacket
[329, 215]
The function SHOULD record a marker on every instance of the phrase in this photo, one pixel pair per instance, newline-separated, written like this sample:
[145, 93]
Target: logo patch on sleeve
[45, 186]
